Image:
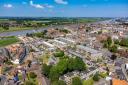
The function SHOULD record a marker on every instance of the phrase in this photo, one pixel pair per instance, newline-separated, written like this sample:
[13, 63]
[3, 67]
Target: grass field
[15, 29]
[88, 82]
[47, 22]
[4, 41]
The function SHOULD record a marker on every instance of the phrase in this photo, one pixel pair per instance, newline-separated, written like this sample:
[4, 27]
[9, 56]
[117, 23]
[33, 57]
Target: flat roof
[68, 39]
[48, 44]
[60, 42]
[119, 82]
[88, 49]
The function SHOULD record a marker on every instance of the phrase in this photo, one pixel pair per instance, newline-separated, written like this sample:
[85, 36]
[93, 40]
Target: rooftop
[119, 82]
[48, 44]
[88, 49]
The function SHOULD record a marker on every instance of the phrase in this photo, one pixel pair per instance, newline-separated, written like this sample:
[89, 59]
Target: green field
[28, 23]
[88, 82]
[15, 29]
[4, 41]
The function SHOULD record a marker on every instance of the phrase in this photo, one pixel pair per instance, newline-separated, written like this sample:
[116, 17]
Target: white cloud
[36, 5]
[40, 6]
[8, 5]
[61, 2]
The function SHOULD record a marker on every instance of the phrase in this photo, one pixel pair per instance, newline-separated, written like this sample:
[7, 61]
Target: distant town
[63, 51]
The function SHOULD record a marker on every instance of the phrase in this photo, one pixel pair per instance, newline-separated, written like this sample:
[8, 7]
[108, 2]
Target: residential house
[89, 52]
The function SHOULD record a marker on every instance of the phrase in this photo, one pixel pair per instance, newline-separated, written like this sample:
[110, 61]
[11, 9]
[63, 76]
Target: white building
[48, 46]
[67, 40]
[59, 44]
[89, 52]
[84, 75]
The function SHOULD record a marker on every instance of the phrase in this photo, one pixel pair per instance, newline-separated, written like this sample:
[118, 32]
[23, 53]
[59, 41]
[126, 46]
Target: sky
[64, 8]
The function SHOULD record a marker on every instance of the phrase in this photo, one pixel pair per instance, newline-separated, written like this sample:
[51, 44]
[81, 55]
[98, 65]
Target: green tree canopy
[96, 77]
[109, 40]
[46, 69]
[32, 75]
[124, 42]
[66, 65]
[116, 41]
[76, 64]
[88, 82]
[76, 81]
[113, 48]
[59, 82]
[54, 75]
[28, 82]
[6, 27]
[59, 54]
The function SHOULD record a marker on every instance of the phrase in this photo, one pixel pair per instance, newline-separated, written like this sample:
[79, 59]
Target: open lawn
[4, 41]
[88, 82]
[103, 74]
[15, 29]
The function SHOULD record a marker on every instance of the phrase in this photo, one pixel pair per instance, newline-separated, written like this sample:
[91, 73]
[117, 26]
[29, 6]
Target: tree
[32, 75]
[66, 65]
[88, 82]
[109, 40]
[116, 41]
[113, 57]
[113, 48]
[88, 29]
[58, 70]
[39, 24]
[46, 69]
[79, 64]
[45, 31]
[76, 81]
[29, 35]
[99, 32]
[64, 30]
[59, 82]
[107, 43]
[54, 75]
[76, 64]
[124, 42]
[96, 77]
[71, 64]
[28, 82]
[59, 54]
[6, 27]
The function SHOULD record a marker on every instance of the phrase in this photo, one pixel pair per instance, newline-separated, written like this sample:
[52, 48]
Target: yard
[88, 82]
